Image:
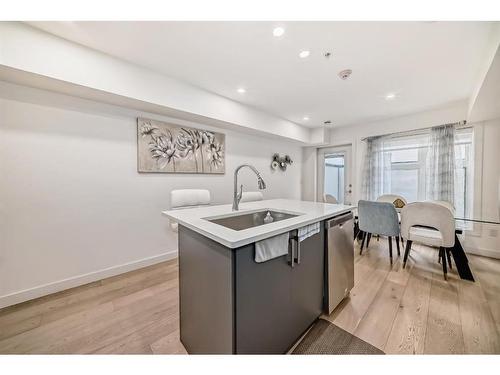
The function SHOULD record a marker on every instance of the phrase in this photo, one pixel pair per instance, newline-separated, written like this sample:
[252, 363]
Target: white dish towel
[271, 248]
[308, 231]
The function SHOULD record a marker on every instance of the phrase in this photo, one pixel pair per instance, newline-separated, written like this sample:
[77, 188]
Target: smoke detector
[344, 74]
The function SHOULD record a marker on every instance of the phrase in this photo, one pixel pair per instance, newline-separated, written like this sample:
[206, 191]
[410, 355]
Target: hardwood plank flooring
[400, 311]
[478, 325]
[487, 273]
[407, 335]
[415, 311]
[381, 314]
[444, 333]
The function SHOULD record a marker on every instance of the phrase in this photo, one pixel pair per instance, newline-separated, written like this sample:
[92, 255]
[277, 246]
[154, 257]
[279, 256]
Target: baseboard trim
[483, 252]
[57, 286]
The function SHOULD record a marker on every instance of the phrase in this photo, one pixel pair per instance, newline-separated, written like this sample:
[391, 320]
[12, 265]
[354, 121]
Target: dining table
[457, 251]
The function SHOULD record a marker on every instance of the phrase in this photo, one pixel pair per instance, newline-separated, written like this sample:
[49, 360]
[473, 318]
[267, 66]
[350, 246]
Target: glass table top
[481, 221]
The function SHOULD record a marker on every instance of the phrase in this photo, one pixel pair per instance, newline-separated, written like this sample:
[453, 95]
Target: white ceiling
[427, 64]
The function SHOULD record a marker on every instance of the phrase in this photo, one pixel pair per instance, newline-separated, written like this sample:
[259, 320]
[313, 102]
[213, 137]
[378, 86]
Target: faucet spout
[237, 196]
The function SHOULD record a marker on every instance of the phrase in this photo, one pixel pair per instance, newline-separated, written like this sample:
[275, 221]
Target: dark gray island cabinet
[229, 304]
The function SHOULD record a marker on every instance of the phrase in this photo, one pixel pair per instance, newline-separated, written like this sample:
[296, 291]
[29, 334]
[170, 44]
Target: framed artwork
[169, 148]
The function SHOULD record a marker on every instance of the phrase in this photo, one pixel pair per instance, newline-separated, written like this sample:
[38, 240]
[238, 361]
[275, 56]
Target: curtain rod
[460, 123]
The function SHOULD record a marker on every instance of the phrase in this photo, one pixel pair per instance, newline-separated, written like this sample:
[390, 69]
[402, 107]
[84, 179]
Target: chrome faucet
[236, 195]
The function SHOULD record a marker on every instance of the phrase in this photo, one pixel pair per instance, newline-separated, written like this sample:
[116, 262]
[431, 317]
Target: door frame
[345, 149]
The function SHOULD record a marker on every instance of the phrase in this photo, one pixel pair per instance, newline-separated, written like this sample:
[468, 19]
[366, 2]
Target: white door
[334, 173]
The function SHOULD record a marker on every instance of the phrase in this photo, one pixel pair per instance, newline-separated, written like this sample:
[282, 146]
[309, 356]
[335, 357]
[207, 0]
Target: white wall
[489, 169]
[484, 112]
[485, 238]
[73, 207]
[485, 94]
[309, 173]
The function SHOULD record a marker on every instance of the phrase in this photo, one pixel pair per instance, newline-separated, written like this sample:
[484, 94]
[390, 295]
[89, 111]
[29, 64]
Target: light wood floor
[415, 311]
[399, 311]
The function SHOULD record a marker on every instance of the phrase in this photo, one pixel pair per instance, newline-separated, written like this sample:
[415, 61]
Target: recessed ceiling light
[390, 96]
[304, 54]
[305, 118]
[278, 31]
[241, 90]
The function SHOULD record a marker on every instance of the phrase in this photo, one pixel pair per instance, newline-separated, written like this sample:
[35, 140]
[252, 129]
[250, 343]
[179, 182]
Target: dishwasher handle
[339, 220]
[294, 245]
[296, 242]
[291, 254]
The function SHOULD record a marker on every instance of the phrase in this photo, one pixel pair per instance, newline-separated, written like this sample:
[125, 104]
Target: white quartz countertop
[309, 212]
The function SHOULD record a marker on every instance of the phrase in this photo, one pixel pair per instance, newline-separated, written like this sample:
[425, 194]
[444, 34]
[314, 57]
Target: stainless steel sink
[249, 220]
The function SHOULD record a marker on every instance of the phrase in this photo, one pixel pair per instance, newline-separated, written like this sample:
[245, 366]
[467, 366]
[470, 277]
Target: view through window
[405, 158]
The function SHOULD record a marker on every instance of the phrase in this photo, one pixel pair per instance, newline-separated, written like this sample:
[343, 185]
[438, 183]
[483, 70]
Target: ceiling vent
[344, 74]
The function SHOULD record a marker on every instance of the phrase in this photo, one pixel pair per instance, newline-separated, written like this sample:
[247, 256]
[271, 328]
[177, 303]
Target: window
[405, 161]
[334, 176]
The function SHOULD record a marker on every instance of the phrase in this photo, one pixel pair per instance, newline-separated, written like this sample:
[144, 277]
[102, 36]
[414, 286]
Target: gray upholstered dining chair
[397, 200]
[429, 223]
[378, 218]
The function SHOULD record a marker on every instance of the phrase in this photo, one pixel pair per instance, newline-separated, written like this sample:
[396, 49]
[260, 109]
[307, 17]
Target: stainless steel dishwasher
[339, 259]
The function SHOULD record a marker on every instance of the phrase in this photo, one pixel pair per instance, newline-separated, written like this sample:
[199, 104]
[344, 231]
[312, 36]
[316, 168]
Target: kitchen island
[229, 303]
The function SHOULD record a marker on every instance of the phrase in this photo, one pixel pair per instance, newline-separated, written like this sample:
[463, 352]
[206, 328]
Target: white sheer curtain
[435, 163]
[377, 172]
[441, 164]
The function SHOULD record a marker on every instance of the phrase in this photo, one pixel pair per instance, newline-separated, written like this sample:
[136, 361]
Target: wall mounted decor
[281, 162]
[170, 148]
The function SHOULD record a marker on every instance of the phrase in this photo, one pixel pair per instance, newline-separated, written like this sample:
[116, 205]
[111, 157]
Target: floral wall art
[169, 148]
